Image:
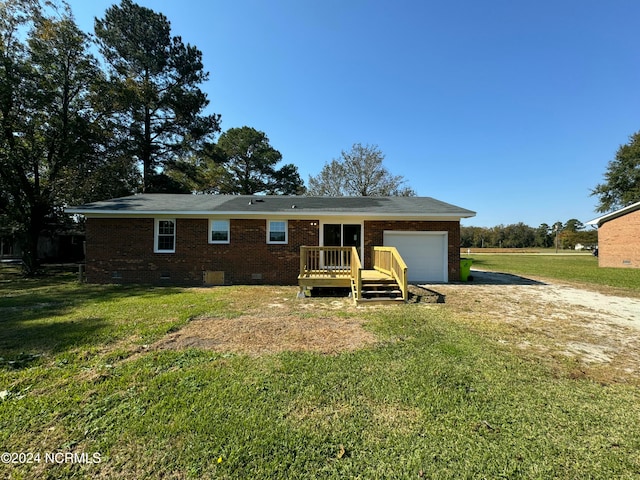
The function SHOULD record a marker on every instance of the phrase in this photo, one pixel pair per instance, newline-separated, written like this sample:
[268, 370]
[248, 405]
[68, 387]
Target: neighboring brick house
[237, 239]
[619, 237]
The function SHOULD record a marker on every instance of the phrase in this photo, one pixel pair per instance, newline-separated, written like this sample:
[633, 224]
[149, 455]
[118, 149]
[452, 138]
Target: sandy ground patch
[554, 319]
[255, 335]
[273, 320]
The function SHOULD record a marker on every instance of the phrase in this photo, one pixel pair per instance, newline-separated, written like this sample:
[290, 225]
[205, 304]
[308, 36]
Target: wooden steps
[378, 289]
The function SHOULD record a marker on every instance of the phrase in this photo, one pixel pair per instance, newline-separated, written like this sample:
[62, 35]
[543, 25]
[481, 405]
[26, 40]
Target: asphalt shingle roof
[158, 203]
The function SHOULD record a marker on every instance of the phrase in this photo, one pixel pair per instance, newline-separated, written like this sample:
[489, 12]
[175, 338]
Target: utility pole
[556, 238]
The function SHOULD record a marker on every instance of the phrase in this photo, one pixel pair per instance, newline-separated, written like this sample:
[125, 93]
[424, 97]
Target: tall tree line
[52, 135]
[75, 128]
[519, 235]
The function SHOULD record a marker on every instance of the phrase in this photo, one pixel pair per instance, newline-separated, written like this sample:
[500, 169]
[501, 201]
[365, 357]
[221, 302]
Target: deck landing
[368, 275]
[340, 278]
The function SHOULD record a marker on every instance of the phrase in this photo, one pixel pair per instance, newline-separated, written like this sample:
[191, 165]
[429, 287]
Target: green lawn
[576, 268]
[432, 399]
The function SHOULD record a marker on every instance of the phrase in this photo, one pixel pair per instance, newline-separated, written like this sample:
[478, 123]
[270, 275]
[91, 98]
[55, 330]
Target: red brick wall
[121, 250]
[374, 235]
[125, 246]
[120, 247]
[619, 242]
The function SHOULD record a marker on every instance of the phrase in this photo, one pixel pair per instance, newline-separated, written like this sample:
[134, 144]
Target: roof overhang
[293, 214]
[612, 215]
[270, 206]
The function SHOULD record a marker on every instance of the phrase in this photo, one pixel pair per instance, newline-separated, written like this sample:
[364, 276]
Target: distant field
[466, 251]
[575, 268]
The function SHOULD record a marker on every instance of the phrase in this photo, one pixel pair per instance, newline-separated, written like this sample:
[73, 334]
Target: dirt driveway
[600, 333]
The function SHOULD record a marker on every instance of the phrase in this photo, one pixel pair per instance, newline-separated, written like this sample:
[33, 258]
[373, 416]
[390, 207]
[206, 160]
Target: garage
[425, 254]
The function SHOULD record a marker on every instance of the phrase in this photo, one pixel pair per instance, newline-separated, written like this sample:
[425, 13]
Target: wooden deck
[340, 279]
[340, 267]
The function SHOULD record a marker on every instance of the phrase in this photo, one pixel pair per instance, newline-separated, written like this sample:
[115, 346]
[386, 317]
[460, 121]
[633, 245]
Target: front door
[332, 235]
[351, 236]
[341, 235]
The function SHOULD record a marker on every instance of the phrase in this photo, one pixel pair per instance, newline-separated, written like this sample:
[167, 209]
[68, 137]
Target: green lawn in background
[572, 267]
[432, 399]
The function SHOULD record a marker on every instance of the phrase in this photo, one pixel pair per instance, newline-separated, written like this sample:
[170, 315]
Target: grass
[573, 268]
[431, 399]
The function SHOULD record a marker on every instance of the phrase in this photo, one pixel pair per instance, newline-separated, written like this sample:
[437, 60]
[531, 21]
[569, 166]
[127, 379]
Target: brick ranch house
[619, 237]
[235, 239]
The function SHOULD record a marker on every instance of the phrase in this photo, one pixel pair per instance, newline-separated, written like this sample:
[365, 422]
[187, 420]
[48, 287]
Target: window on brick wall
[165, 233]
[277, 231]
[219, 231]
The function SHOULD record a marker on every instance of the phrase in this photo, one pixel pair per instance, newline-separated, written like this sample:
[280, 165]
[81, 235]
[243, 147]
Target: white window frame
[156, 235]
[286, 232]
[228, 222]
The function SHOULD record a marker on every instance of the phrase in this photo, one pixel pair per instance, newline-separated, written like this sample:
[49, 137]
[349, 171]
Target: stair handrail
[388, 260]
[356, 274]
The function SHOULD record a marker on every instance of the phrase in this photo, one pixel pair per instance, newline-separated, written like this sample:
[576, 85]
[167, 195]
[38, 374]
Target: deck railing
[388, 260]
[326, 261]
[356, 274]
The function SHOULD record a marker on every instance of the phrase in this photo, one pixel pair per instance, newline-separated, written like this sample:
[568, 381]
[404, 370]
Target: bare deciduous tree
[358, 172]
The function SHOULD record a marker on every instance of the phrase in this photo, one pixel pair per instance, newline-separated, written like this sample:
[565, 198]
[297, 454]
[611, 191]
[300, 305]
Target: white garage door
[425, 254]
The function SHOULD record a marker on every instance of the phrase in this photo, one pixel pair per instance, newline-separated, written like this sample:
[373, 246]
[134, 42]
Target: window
[165, 236]
[219, 231]
[276, 231]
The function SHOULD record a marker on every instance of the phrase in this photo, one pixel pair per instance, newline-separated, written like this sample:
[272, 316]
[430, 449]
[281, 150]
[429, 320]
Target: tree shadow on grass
[23, 342]
[34, 315]
[32, 299]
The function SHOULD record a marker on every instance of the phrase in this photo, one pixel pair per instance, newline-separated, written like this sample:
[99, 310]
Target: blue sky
[509, 108]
